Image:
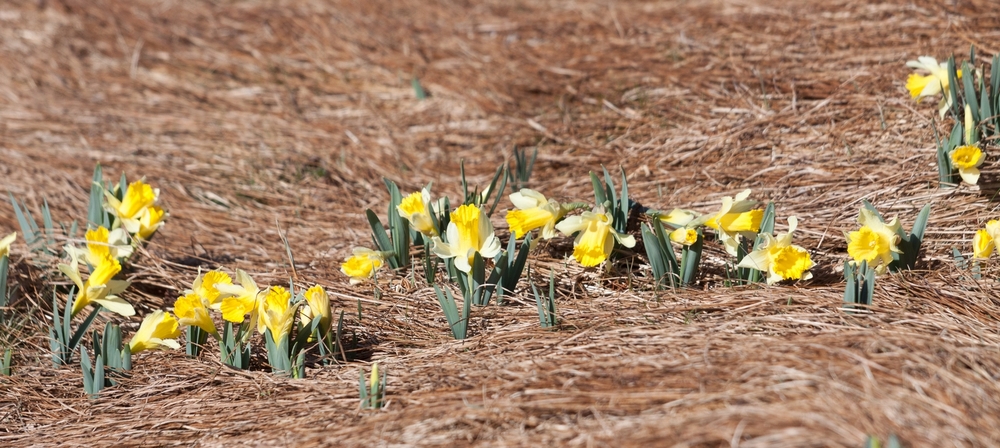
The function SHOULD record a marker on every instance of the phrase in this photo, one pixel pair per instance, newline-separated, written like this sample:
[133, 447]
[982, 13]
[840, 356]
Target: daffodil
[318, 308]
[362, 264]
[157, 331]
[415, 208]
[921, 86]
[679, 217]
[100, 288]
[138, 197]
[205, 287]
[781, 259]
[149, 222]
[191, 310]
[737, 218]
[875, 242]
[240, 300]
[684, 236]
[277, 313]
[982, 244]
[533, 211]
[102, 243]
[967, 159]
[5, 244]
[595, 237]
[468, 232]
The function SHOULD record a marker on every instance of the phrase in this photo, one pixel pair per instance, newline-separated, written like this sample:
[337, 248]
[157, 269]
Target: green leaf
[96, 215]
[970, 95]
[29, 229]
[447, 302]
[956, 104]
[399, 226]
[600, 196]
[621, 220]
[851, 291]
[381, 238]
[418, 90]
[690, 259]
[82, 329]
[88, 372]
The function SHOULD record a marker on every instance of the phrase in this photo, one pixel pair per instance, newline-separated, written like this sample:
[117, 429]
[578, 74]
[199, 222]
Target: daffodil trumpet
[595, 236]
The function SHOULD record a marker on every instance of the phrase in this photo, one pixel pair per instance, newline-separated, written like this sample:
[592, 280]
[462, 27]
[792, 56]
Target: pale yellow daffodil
[157, 331]
[533, 211]
[736, 218]
[968, 158]
[138, 197]
[684, 236]
[679, 217]
[982, 244]
[595, 237]
[149, 222]
[5, 244]
[921, 86]
[779, 258]
[362, 264]
[469, 232]
[875, 242]
[192, 310]
[318, 308]
[415, 208]
[100, 288]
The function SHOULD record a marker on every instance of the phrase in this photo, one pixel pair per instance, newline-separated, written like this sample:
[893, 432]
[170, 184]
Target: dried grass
[252, 113]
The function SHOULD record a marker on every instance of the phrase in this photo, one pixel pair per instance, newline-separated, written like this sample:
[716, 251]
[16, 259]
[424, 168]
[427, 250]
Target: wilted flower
[595, 237]
[935, 82]
[875, 241]
[533, 212]
[415, 208]
[191, 310]
[362, 264]
[468, 232]
[5, 244]
[158, 330]
[99, 287]
[781, 259]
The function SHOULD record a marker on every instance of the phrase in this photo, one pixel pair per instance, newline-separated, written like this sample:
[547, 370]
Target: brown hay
[252, 113]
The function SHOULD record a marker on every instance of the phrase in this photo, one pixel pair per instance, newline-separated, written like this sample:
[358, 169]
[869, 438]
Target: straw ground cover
[258, 115]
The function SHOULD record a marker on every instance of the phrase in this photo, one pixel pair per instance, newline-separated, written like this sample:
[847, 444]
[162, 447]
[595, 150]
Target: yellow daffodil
[533, 212]
[982, 244]
[875, 241]
[684, 236]
[967, 159]
[468, 232]
[191, 310]
[277, 314]
[157, 331]
[986, 239]
[362, 264]
[240, 300]
[678, 217]
[101, 243]
[5, 244]
[318, 308]
[737, 218]
[138, 197]
[99, 287]
[781, 259]
[149, 222]
[415, 208]
[595, 237]
[935, 82]
[205, 287]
